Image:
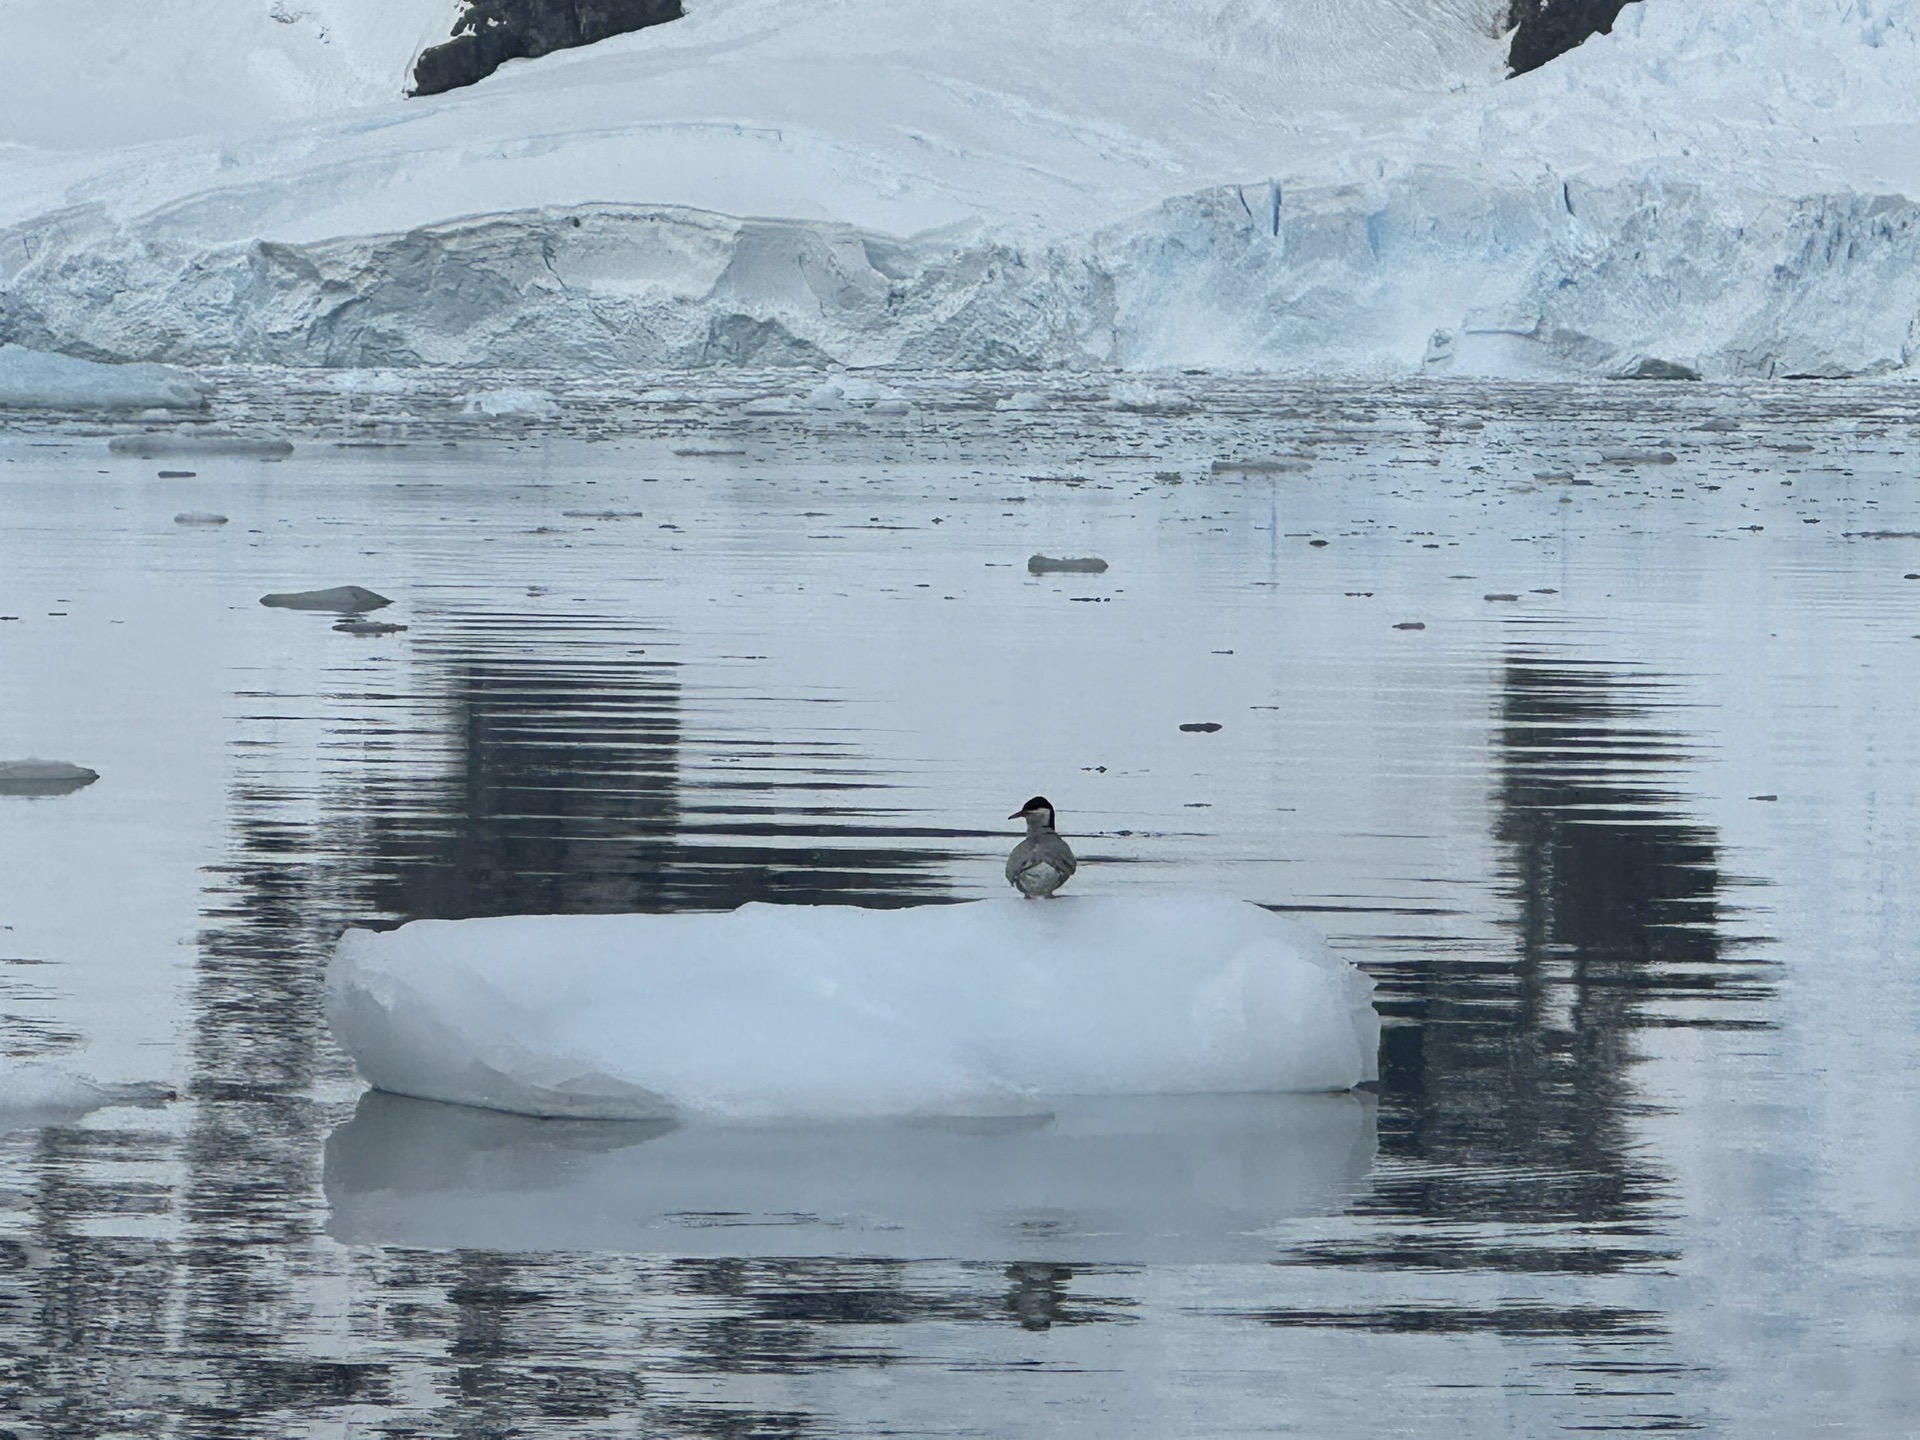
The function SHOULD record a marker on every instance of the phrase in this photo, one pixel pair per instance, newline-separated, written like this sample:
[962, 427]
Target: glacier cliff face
[1433, 272]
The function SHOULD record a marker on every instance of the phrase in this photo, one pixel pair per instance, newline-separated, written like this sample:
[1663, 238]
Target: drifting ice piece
[775, 1011]
[43, 777]
[346, 599]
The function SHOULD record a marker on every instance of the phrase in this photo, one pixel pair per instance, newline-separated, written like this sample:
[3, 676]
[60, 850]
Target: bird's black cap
[1038, 802]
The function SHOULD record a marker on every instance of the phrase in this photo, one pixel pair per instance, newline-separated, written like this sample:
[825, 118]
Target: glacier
[774, 1012]
[1714, 189]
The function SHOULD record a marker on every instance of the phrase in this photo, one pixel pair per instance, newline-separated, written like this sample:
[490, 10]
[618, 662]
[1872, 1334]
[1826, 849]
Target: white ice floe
[774, 1011]
[1194, 1178]
[33, 380]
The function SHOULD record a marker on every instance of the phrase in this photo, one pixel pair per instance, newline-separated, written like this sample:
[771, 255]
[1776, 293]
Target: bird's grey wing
[1055, 852]
[1021, 858]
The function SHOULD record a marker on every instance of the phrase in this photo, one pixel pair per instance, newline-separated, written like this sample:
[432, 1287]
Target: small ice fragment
[1143, 399]
[368, 627]
[43, 777]
[178, 474]
[1500, 595]
[199, 517]
[706, 452]
[1411, 625]
[1022, 400]
[1637, 457]
[529, 404]
[1066, 565]
[346, 599]
[1202, 727]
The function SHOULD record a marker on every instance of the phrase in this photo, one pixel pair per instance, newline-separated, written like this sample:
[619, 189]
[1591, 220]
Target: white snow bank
[774, 1011]
[32, 380]
[32, 1091]
[1122, 1179]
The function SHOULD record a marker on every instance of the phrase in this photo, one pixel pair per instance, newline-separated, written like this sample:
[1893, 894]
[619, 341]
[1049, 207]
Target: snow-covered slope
[1323, 184]
[117, 72]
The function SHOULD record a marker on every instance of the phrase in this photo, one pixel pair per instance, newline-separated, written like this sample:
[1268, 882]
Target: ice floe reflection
[1174, 1179]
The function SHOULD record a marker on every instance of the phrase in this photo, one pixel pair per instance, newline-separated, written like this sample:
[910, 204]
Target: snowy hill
[1299, 184]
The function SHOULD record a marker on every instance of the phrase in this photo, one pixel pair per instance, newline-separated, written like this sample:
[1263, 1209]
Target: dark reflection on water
[571, 793]
[1506, 1093]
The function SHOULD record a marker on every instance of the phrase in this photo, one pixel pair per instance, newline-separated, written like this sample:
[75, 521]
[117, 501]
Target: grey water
[1583, 718]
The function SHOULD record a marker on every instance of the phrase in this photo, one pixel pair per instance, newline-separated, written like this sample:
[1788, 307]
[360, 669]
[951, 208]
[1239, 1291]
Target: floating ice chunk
[35, 380]
[1066, 565]
[35, 1091]
[43, 777]
[1024, 400]
[199, 517]
[345, 599]
[1191, 1178]
[533, 404]
[1147, 399]
[774, 1011]
[848, 392]
[366, 382]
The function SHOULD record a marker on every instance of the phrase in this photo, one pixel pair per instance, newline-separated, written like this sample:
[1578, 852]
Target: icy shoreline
[1434, 272]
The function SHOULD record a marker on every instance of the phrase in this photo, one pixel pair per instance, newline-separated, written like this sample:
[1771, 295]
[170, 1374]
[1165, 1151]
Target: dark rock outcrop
[1543, 29]
[491, 32]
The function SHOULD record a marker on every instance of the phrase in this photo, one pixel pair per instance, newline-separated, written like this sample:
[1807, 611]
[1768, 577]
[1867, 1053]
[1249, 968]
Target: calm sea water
[1584, 719]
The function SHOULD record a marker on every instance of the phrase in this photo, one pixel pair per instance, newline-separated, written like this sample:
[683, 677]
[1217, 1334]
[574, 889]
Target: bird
[1041, 863]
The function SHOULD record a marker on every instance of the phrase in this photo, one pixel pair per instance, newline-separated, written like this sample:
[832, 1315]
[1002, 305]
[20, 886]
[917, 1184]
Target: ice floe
[34, 1092]
[32, 380]
[773, 1011]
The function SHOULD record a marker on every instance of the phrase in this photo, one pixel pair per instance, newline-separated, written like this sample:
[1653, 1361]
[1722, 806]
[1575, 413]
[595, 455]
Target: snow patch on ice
[775, 1011]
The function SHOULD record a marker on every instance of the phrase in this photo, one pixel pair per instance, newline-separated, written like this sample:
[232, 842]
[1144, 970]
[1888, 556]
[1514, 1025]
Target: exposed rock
[1546, 29]
[491, 32]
